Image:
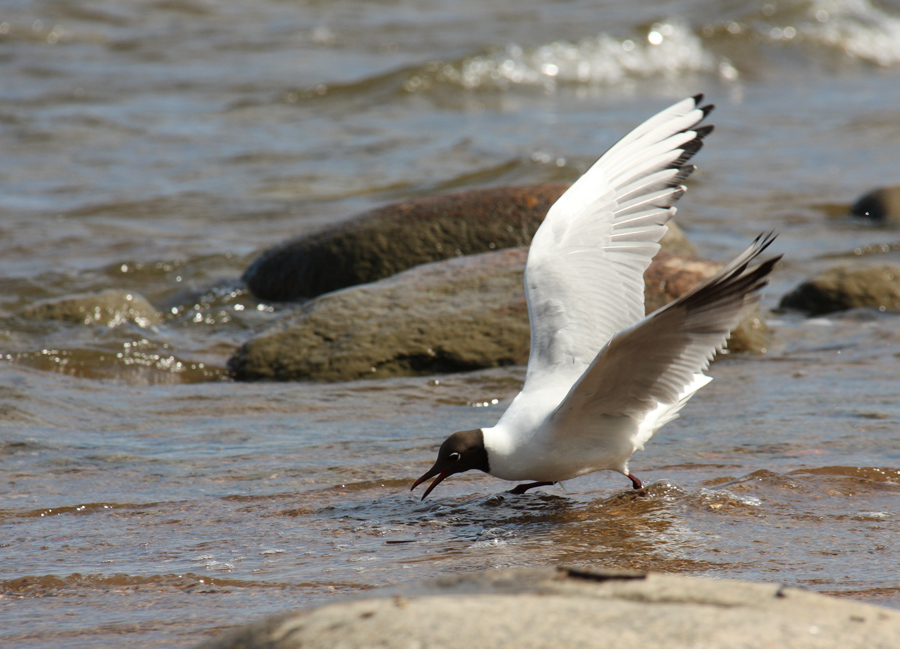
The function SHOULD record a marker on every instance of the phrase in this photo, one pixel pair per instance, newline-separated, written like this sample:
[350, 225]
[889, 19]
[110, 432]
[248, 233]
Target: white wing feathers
[658, 363]
[584, 276]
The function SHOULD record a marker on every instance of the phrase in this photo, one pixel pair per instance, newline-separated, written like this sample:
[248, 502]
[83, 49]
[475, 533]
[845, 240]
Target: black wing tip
[759, 274]
[703, 131]
[763, 240]
[737, 278]
[698, 99]
[684, 171]
[689, 149]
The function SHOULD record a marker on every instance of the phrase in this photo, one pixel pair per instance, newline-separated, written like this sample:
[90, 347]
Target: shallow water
[157, 147]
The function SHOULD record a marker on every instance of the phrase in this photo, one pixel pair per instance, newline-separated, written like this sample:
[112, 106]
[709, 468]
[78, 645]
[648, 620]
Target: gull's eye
[453, 457]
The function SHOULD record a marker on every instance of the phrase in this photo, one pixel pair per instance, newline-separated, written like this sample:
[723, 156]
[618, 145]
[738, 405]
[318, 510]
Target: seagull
[602, 377]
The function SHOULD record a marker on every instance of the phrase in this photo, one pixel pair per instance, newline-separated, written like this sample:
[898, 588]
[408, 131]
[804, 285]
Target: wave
[824, 34]
[826, 31]
[667, 49]
[845, 30]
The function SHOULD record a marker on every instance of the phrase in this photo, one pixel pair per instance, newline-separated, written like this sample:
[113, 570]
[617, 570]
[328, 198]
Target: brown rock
[847, 287]
[393, 238]
[459, 314]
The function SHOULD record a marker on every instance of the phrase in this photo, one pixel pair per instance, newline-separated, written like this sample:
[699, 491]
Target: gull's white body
[579, 412]
[602, 377]
[528, 444]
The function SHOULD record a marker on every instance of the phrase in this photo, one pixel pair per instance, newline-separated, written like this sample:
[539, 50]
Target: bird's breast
[548, 454]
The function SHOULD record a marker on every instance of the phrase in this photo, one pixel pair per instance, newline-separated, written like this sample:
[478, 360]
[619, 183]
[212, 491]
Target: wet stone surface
[577, 608]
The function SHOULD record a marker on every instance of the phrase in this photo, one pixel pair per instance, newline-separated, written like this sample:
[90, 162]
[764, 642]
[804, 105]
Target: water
[157, 147]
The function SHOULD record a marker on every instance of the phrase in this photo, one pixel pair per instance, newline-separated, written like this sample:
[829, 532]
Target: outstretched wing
[584, 277]
[656, 365]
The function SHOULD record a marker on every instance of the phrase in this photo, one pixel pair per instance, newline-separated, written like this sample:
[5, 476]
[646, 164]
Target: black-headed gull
[602, 378]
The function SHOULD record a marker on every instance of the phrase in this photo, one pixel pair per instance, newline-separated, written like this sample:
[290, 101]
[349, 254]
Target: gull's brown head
[460, 452]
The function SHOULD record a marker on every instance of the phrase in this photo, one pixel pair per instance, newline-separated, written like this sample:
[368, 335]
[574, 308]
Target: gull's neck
[518, 440]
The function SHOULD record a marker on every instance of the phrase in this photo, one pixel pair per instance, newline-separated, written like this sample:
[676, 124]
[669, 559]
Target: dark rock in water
[393, 238]
[881, 205]
[845, 288]
[458, 314]
[390, 239]
[569, 607]
[109, 308]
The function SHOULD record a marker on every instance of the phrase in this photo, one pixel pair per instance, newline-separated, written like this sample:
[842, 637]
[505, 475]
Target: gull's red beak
[434, 471]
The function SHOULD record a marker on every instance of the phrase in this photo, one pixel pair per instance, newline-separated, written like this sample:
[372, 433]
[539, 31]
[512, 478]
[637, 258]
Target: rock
[881, 205]
[393, 238]
[543, 608]
[458, 314]
[847, 287]
[109, 308]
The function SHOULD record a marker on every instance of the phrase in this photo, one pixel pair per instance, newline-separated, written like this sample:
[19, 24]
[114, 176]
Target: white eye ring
[453, 457]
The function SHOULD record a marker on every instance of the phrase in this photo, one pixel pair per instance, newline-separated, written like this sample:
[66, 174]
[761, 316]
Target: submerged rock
[459, 314]
[881, 205]
[393, 238]
[540, 608]
[108, 308]
[845, 288]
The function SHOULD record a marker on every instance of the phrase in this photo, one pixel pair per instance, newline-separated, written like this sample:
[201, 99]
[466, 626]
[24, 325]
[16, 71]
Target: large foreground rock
[459, 314]
[548, 608]
[845, 288]
[393, 238]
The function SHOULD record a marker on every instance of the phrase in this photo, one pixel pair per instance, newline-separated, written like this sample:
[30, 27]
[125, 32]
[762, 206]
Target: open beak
[434, 471]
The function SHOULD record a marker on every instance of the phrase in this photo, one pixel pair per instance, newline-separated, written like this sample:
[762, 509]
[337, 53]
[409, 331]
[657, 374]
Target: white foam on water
[858, 28]
[718, 498]
[668, 49]
[854, 29]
